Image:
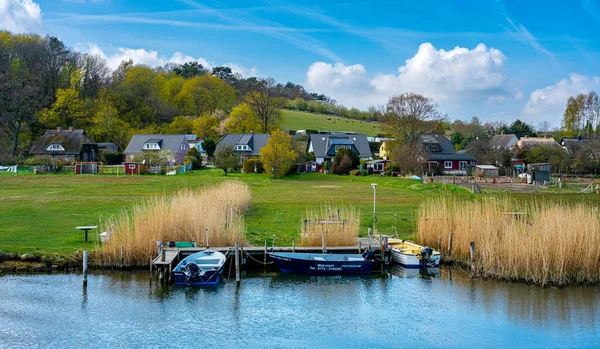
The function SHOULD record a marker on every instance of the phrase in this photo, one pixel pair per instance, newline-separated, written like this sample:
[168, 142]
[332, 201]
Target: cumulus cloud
[460, 74]
[20, 15]
[548, 103]
[153, 59]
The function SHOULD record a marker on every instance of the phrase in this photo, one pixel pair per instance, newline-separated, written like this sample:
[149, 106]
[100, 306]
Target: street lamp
[374, 185]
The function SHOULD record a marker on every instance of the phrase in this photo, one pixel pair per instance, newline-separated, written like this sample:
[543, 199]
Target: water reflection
[424, 273]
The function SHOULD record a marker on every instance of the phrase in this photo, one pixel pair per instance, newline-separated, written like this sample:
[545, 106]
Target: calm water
[281, 311]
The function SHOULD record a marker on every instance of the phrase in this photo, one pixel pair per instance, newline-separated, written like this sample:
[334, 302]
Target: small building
[311, 166]
[484, 171]
[325, 145]
[503, 141]
[246, 145]
[439, 153]
[176, 145]
[538, 174]
[133, 168]
[377, 166]
[68, 145]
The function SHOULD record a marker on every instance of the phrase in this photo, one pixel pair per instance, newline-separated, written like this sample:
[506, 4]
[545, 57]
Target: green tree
[190, 69]
[202, 95]
[209, 147]
[519, 129]
[68, 110]
[182, 125]
[278, 154]
[266, 105]
[227, 159]
[206, 127]
[108, 127]
[344, 161]
[193, 156]
[243, 119]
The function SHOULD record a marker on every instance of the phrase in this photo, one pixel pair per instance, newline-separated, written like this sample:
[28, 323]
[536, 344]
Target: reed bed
[340, 224]
[181, 217]
[536, 242]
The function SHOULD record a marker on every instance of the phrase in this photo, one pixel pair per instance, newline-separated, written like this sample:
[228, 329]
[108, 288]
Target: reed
[536, 242]
[341, 225]
[181, 217]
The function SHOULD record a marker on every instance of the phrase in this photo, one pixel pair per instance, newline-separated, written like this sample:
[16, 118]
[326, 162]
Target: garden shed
[131, 168]
[538, 174]
[485, 171]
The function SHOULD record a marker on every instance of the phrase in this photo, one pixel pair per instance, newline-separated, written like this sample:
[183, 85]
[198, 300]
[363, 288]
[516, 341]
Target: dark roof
[501, 141]
[449, 157]
[572, 140]
[71, 141]
[436, 143]
[256, 141]
[169, 142]
[322, 143]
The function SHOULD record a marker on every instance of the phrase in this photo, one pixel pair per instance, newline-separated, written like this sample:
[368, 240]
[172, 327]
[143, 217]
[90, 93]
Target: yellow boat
[410, 255]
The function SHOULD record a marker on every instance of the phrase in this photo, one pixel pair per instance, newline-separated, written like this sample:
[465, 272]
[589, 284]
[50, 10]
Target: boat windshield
[207, 261]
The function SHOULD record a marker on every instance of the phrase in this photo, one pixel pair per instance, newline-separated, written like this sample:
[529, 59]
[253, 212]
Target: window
[243, 147]
[447, 164]
[131, 166]
[55, 147]
[462, 165]
[379, 167]
[151, 146]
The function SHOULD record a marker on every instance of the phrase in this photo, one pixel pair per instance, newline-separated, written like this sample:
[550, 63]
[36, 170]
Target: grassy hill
[298, 120]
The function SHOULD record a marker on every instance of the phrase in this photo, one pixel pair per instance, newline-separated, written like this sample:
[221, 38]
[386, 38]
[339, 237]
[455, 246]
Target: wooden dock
[169, 257]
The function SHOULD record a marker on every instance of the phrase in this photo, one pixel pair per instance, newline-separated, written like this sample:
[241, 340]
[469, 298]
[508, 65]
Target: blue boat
[200, 269]
[331, 264]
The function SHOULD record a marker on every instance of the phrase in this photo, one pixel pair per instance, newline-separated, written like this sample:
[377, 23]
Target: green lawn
[297, 120]
[40, 212]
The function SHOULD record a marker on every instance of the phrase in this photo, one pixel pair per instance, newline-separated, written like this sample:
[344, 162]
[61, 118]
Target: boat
[200, 269]
[328, 264]
[411, 255]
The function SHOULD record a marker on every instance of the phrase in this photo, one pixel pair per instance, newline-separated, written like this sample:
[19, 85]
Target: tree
[202, 95]
[407, 117]
[227, 159]
[266, 105]
[181, 125]
[223, 73]
[190, 69]
[108, 127]
[344, 161]
[194, 157]
[278, 155]
[206, 127]
[243, 119]
[544, 128]
[68, 110]
[95, 75]
[554, 155]
[209, 147]
[519, 129]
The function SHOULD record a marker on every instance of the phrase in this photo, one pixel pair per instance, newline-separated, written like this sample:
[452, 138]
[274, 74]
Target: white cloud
[548, 103]
[153, 59]
[460, 74]
[20, 15]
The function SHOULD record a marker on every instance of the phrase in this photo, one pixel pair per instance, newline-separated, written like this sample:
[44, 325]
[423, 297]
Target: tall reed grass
[536, 242]
[341, 225]
[181, 217]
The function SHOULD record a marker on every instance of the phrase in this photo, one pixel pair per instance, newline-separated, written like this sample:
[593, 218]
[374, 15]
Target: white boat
[411, 255]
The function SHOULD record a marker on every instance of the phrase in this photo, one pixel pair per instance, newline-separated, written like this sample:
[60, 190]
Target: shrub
[110, 157]
[391, 167]
[355, 173]
[193, 156]
[344, 161]
[252, 163]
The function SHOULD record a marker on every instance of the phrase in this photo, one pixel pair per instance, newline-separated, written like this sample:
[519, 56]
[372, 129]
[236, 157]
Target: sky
[494, 59]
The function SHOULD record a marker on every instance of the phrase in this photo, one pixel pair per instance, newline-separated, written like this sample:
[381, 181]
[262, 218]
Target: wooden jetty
[169, 257]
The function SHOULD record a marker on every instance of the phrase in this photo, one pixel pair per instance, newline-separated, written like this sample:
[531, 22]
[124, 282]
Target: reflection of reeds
[340, 225]
[536, 242]
[182, 217]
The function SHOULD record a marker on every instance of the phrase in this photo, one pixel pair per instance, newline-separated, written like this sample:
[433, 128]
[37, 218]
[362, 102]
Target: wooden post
[265, 256]
[122, 255]
[450, 244]
[207, 236]
[237, 263]
[439, 243]
[150, 268]
[382, 251]
[323, 241]
[359, 249]
[159, 246]
[472, 250]
[85, 267]
[293, 245]
[369, 232]
[163, 253]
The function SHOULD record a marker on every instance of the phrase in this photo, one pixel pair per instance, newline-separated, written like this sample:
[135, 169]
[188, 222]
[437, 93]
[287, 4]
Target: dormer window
[242, 147]
[151, 146]
[55, 147]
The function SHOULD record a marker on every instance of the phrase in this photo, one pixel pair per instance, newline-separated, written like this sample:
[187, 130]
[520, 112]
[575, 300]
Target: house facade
[377, 166]
[68, 145]
[246, 145]
[439, 152]
[108, 147]
[325, 145]
[503, 141]
[176, 145]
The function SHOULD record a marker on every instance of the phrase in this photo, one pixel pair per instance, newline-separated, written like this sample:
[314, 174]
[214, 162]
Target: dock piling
[237, 263]
[323, 242]
[122, 255]
[207, 238]
[85, 267]
[265, 255]
[293, 245]
[450, 244]
[369, 232]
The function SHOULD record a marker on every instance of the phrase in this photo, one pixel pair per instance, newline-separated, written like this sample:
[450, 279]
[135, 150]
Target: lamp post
[374, 185]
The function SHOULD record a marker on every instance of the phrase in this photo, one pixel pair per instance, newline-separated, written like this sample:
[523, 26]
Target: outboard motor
[369, 255]
[425, 255]
[193, 271]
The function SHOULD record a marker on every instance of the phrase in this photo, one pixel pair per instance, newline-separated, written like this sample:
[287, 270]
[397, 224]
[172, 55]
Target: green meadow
[298, 120]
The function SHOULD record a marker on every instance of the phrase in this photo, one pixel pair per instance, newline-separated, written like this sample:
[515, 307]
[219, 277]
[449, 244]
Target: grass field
[297, 120]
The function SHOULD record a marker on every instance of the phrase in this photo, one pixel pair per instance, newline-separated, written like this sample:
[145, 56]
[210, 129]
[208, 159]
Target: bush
[110, 157]
[355, 173]
[392, 167]
[193, 156]
[251, 163]
[45, 163]
[344, 161]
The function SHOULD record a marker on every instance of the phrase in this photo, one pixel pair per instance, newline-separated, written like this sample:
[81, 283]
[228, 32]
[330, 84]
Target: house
[536, 141]
[377, 166]
[503, 141]
[247, 145]
[325, 145]
[439, 151]
[384, 152]
[67, 145]
[176, 145]
[102, 147]
[571, 144]
[197, 143]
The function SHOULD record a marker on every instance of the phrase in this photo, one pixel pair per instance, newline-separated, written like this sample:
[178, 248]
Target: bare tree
[266, 104]
[407, 117]
[95, 74]
[544, 128]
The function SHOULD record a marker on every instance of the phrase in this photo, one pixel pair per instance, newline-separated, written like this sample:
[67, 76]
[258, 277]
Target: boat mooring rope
[257, 261]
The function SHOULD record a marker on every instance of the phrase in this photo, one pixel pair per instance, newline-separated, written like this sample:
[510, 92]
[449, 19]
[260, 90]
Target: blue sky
[498, 60]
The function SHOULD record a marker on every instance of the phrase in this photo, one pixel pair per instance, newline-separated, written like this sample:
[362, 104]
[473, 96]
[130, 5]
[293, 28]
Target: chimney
[70, 128]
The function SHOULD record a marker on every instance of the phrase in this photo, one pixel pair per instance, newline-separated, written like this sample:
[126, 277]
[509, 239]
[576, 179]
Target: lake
[400, 309]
